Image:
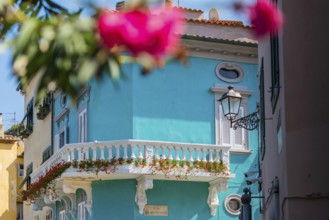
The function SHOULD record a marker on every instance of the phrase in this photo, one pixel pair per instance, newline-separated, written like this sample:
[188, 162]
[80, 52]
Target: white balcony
[140, 150]
[144, 161]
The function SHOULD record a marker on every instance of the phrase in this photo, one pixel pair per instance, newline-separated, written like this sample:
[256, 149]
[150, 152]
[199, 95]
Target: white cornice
[221, 51]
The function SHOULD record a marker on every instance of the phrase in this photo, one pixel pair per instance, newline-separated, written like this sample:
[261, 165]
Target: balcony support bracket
[143, 183]
[214, 188]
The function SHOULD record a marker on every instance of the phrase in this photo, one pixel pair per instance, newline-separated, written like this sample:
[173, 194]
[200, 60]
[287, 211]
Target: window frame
[229, 66]
[29, 115]
[83, 127]
[82, 209]
[20, 170]
[227, 204]
[219, 90]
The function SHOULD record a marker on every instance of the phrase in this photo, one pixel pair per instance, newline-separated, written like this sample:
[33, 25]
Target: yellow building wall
[35, 144]
[9, 180]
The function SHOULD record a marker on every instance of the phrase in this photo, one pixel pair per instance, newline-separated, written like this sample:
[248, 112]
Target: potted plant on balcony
[43, 111]
[25, 131]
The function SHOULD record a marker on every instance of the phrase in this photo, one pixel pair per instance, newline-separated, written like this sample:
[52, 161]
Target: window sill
[240, 151]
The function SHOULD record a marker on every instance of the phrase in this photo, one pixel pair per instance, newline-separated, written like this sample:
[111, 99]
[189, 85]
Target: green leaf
[87, 70]
[114, 68]
[27, 31]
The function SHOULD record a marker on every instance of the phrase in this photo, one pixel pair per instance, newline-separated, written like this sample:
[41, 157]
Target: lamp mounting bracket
[249, 122]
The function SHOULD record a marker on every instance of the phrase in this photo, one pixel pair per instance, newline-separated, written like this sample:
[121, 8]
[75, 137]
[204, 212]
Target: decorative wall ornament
[143, 183]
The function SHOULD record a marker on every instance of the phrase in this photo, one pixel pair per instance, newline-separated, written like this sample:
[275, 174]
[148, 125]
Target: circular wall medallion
[229, 72]
[233, 204]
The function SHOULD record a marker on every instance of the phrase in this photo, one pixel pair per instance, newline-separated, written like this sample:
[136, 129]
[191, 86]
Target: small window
[46, 154]
[233, 204]
[229, 72]
[29, 115]
[21, 170]
[19, 211]
[63, 100]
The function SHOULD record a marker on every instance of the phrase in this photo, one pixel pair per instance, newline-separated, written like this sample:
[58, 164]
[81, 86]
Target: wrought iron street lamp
[231, 102]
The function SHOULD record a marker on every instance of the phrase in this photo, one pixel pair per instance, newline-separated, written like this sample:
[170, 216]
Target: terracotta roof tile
[190, 9]
[220, 22]
[10, 137]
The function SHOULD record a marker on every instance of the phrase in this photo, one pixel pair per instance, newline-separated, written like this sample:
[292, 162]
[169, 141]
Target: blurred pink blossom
[265, 18]
[142, 31]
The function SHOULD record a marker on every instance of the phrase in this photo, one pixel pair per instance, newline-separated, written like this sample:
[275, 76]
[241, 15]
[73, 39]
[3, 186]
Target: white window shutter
[56, 142]
[238, 133]
[85, 125]
[82, 128]
[225, 135]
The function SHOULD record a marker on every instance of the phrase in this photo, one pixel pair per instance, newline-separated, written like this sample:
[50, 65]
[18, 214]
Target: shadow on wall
[5, 215]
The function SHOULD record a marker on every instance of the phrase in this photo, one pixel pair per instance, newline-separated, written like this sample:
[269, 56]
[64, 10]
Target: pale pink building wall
[303, 163]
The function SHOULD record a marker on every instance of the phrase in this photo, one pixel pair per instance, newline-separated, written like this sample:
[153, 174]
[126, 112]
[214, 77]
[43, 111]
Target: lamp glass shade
[231, 102]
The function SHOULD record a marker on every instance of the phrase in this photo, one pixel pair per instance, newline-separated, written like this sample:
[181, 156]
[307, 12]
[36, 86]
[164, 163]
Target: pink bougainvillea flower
[111, 27]
[265, 18]
[141, 31]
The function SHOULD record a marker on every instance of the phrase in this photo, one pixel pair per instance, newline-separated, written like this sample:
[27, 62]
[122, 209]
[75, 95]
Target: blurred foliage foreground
[68, 49]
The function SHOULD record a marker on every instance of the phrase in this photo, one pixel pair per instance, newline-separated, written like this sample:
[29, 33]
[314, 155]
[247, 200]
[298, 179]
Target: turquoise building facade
[174, 104]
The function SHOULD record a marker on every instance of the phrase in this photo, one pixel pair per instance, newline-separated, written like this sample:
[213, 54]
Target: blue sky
[11, 101]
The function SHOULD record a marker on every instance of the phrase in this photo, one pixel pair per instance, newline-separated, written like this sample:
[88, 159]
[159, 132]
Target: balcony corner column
[143, 183]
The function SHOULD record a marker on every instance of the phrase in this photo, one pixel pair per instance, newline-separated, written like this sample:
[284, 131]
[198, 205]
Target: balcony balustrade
[146, 151]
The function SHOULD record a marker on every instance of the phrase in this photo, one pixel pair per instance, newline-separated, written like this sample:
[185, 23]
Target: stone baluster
[177, 153]
[156, 153]
[204, 155]
[226, 156]
[197, 158]
[217, 159]
[86, 153]
[71, 154]
[170, 153]
[132, 152]
[94, 152]
[80, 154]
[191, 153]
[184, 153]
[140, 151]
[101, 148]
[110, 153]
[211, 155]
[125, 155]
[163, 155]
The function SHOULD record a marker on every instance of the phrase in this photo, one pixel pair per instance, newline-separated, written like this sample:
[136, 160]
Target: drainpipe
[52, 123]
